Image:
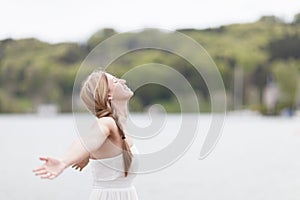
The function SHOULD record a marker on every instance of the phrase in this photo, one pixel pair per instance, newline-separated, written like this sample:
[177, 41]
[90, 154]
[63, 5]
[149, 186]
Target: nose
[123, 81]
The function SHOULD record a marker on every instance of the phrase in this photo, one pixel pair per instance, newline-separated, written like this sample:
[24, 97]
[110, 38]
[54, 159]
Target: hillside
[33, 72]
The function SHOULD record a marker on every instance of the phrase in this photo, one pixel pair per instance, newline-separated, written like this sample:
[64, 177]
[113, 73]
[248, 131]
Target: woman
[106, 146]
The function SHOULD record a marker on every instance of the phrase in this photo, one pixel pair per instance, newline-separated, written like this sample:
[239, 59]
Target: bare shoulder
[106, 123]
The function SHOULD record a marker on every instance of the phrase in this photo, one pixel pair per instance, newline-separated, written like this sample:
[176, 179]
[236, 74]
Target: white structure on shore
[47, 109]
[271, 96]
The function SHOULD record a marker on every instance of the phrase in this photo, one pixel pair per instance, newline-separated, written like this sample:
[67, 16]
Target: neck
[121, 109]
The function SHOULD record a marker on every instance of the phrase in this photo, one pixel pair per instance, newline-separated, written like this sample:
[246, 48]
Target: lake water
[256, 158]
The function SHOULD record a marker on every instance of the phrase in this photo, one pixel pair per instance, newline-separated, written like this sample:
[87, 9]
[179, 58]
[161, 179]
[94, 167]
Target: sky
[76, 20]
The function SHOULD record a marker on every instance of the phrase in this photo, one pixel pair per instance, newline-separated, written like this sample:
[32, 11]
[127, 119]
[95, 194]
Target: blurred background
[43, 44]
[254, 44]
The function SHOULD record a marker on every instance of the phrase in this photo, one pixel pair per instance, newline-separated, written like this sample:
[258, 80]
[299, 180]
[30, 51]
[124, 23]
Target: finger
[43, 158]
[52, 176]
[47, 175]
[42, 172]
[38, 169]
[75, 166]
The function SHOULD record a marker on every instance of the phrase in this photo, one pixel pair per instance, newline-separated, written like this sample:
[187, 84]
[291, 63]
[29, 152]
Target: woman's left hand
[51, 168]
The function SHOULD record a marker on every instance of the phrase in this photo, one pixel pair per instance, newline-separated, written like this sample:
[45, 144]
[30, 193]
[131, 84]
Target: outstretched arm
[77, 152]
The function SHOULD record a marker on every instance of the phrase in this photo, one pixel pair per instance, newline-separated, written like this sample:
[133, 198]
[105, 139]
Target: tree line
[33, 72]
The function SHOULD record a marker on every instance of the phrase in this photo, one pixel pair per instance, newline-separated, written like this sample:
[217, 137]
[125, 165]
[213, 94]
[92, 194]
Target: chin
[127, 96]
[131, 94]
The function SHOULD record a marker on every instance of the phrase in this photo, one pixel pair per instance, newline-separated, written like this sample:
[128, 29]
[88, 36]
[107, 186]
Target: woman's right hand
[50, 169]
[81, 164]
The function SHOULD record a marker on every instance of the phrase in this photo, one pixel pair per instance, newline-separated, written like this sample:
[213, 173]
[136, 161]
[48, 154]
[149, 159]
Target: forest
[34, 72]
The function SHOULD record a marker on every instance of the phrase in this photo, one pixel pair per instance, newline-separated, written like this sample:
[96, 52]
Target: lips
[126, 87]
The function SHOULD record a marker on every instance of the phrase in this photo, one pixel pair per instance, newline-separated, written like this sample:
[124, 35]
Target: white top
[109, 178]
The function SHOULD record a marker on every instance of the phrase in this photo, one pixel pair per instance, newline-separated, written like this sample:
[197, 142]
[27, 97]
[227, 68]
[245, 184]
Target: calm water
[256, 158]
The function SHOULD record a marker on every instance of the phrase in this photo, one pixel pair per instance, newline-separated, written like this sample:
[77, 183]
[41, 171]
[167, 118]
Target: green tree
[100, 36]
[296, 19]
[287, 77]
[271, 19]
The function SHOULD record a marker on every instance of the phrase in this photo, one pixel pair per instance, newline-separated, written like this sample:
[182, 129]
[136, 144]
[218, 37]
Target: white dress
[110, 182]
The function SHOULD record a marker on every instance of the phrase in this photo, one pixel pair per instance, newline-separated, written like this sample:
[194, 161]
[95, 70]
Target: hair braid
[127, 154]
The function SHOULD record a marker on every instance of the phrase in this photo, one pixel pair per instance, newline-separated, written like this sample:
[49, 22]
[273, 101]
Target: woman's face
[118, 89]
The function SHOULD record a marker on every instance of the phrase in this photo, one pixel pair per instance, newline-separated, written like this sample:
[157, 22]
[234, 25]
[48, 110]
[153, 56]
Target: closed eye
[115, 80]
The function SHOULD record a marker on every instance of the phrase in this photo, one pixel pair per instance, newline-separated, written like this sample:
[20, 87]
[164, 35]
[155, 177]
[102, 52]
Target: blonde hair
[94, 94]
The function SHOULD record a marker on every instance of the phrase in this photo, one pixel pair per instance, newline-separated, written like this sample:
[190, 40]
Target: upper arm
[105, 125]
[97, 135]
